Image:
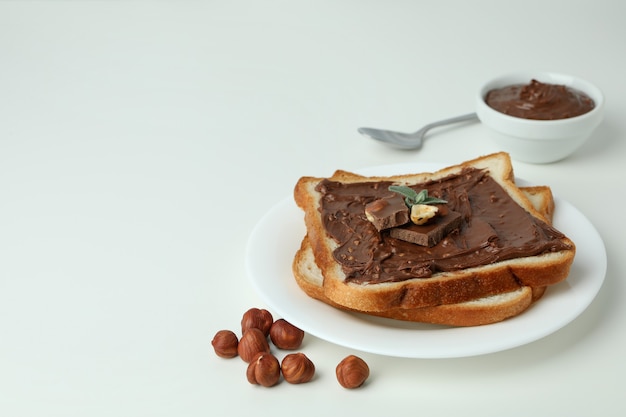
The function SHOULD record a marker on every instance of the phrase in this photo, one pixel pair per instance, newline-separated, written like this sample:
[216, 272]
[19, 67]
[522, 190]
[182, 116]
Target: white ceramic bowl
[540, 141]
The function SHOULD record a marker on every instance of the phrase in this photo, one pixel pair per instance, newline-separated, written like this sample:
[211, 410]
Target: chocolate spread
[539, 101]
[494, 228]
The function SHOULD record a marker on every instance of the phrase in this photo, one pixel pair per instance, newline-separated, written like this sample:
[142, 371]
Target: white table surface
[140, 143]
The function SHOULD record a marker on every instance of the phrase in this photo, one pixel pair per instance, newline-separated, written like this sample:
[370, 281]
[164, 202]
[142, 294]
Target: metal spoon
[411, 140]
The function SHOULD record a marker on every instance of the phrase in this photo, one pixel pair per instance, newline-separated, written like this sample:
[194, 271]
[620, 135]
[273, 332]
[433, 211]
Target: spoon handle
[411, 140]
[457, 119]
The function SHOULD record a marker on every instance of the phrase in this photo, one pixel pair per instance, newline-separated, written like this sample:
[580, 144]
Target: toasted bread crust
[542, 200]
[485, 310]
[442, 288]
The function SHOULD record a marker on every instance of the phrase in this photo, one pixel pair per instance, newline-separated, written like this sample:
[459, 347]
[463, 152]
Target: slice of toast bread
[485, 310]
[540, 196]
[447, 287]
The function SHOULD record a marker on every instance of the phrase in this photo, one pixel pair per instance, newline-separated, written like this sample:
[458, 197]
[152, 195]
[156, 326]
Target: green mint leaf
[421, 197]
[409, 193]
[433, 200]
[412, 197]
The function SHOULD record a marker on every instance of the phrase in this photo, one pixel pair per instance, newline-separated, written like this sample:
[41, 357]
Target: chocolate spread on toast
[493, 228]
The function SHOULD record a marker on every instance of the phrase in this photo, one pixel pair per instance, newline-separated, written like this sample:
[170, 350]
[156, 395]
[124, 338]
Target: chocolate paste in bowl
[539, 101]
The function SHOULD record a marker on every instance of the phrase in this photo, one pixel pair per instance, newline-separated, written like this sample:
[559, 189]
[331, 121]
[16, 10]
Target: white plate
[276, 238]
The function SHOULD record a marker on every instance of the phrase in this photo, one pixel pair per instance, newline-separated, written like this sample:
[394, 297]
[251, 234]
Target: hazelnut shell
[225, 344]
[252, 342]
[297, 368]
[264, 369]
[352, 372]
[257, 318]
[285, 335]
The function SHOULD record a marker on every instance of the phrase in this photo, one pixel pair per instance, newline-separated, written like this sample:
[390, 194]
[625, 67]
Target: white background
[140, 142]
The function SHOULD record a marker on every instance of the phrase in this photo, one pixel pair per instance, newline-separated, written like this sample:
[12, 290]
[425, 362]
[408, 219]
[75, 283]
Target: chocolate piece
[428, 234]
[388, 212]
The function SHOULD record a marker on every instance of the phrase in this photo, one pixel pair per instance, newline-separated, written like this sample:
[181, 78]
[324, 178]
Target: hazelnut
[297, 368]
[257, 318]
[225, 344]
[352, 372]
[285, 335]
[252, 342]
[263, 370]
[422, 213]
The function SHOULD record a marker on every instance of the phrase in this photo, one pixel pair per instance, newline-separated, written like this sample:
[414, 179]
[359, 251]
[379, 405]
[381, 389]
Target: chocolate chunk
[428, 234]
[386, 213]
